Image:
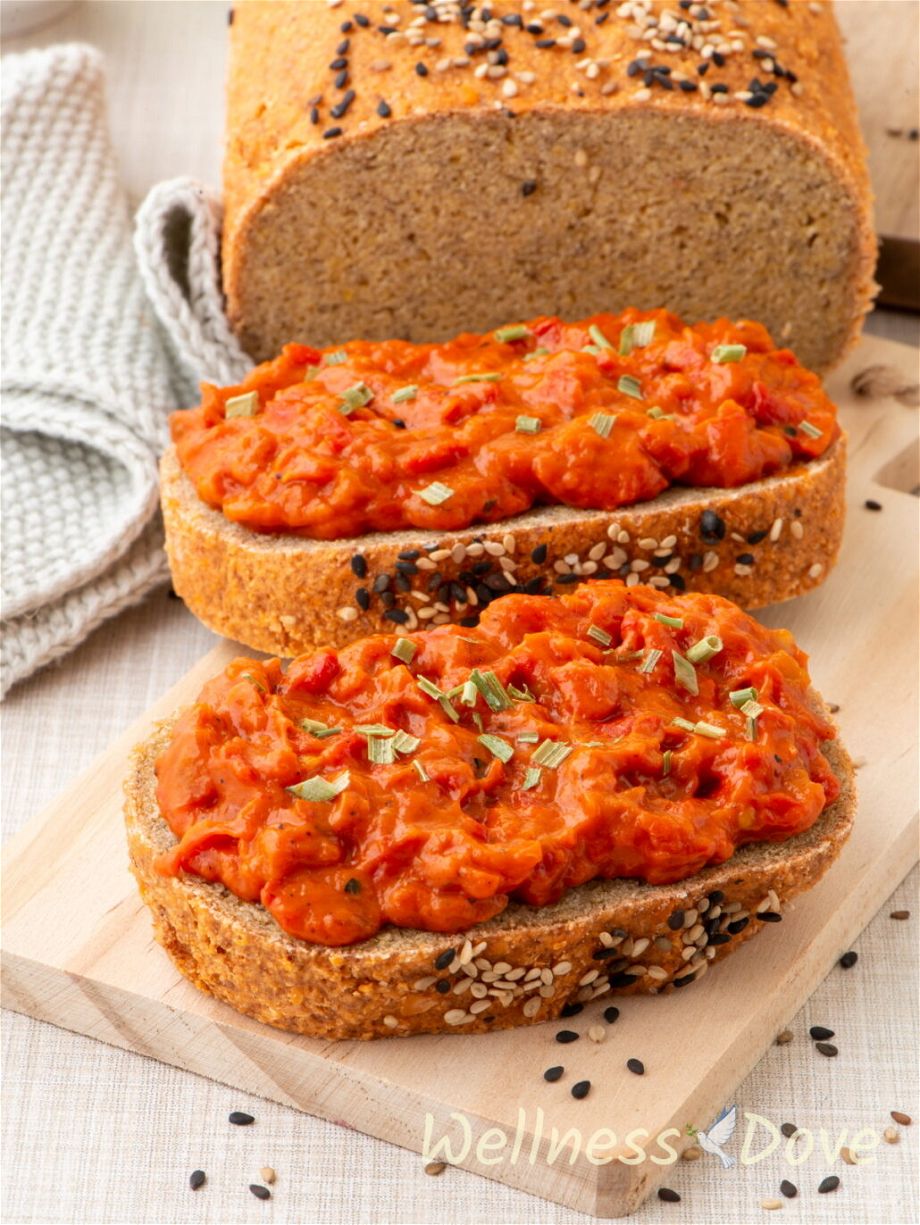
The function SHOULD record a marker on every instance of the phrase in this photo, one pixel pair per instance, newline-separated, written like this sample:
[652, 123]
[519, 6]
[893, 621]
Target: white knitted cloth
[87, 375]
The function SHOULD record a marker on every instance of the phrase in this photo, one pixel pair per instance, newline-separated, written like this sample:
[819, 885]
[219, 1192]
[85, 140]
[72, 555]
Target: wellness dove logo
[719, 1134]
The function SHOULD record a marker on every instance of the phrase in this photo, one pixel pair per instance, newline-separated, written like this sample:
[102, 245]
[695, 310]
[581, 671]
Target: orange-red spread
[617, 732]
[377, 436]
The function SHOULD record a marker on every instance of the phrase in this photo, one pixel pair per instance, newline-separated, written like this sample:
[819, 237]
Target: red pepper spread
[425, 780]
[384, 435]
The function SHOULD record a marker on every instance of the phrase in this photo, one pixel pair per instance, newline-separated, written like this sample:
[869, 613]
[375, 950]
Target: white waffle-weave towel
[88, 375]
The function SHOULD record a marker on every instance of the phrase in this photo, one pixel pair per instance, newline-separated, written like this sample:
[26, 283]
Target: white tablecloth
[93, 1134]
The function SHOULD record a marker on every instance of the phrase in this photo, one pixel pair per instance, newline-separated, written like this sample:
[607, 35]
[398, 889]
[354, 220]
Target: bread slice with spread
[461, 830]
[336, 493]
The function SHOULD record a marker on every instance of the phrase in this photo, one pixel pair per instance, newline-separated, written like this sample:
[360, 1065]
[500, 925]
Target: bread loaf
[413, 170]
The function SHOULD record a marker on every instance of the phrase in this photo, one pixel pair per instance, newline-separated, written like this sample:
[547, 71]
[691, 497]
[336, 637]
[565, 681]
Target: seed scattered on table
[693, 1153]
[900, 914]
[892, 1135]
[434, 1168]
[831, 1183]
[581, 1089]
[820, 1033]
[267, 1174]
[637, 1066]
[849, 1156]
[771, 1204]
[597, 1033]
[197, 1179]
[260, 1192]
[789, 1189]
[900, 1117]
[827, 1048]
[611, 1014]
[240, 1118]
[849, 959]
[789, 1130]
[871, 504]
[554, 1073]
[669, 1196]
[784, 1037]
[567, 1035]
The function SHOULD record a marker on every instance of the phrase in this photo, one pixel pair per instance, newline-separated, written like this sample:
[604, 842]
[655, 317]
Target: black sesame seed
[528, 187]
[564, 579]
[469, 622]
[229, 23]
[359, 565]
[341, 79]
[678, 582]
[738, 926]
[611, 1014]
[314, 114]
[578, 46]
[571, 1010]
[538, 555]
[362, 21]
[342, 48]
[685, 981]
[636, 1066]
[871, 504]
[362, 598]
[770, 916]
[718, 59]
[399, 423]
[421, 70]
[197, 1177]
[719, 88]
[703, 68]
[331, 133]
[566, 1035]
[599, 21]
[353, 885]
[407, 567]
[346, 27]
[669, 1196]
[712, 527]
[676, 920]
[716, 898]
[533, 586]
[827, 1048]
[442, 986]
[443, 960]
[756, 537]
[745, 559]
[534, 27]
[397, 615]
[339, 63]
[564, 21]
[240, 1119]
[689, 87]
[820, 1032]
[581, 1089]
[402, 584]
[381, 583]
[260, 1192]
[545, 42]
[788, 1130]
[849, 959]
[383, 109]
[622, 979]
[554, 1073]
[789, 1189]
[719, 938]
[341, 108]
[605, 954]
[388, 599]
[831, 1183]
[512, 19]
[387, 30]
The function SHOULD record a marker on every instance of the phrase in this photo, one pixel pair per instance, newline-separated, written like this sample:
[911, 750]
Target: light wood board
[78, 951]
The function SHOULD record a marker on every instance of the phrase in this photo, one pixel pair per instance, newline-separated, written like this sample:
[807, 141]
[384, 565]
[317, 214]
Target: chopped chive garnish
[447, 707]
[247, 676]
[750, 729]
[705, 649]
[540, 351]
[752, 709]
[320, 730]
[528, 738]
[435, 493]
[355, 397]
[428, 687]
[404, 650]
[728, 353]
[650, 660]
[629, 386]
[374, 729]
[403, 742]
[521, 695]
[740, 696]
[602, 424]
[685, 673]
[598, 337]
[317, 788]
[551, 753]
[658, 414]
[811, 430]
[666, 763]
[493, 691]
[599, 635]
[491, 376]
[497, 747]
[643, 333]
[336, 359]
[477, 719]
[420, 771]
[685, 724]
[676, 623]
[380, 751]
[453, 693]
[469, 694]
[710, 730]
[627, 340]
[517, 331]
[532, 777]
[405, 393]
[245, 405]
[528, 425]
[594, 350]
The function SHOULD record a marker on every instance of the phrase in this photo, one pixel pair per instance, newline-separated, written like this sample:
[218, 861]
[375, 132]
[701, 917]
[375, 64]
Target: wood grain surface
[78, 951]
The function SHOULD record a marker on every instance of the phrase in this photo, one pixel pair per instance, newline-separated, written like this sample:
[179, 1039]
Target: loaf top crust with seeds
[414, 170]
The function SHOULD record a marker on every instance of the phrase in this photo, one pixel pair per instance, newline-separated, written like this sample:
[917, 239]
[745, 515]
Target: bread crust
[285, 595]
[601, 939]
[800, 259]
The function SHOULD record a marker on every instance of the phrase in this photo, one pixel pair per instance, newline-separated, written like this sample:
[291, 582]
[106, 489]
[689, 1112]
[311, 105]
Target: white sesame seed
[532, 1007]
[347, 613]
[815, 570]
[613, 531]
[640, 946]
[479, 991]
[561, 968]
[456, 1016]
[475, 549]
[587, 979]
[422, 984]
[659, 973]
[710, 562]
[632, 580]
[775, 530]
[458, 554]
[598, 551]
[623, 537]
[480, 1006]
[642, 95]
[639, 565]
[461, 985]
[648, 542]
[597, 1033]
[742, 570]
[796, 528]
[390, 1022]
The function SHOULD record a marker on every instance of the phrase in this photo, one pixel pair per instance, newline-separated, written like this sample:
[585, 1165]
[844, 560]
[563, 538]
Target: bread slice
[758, 544]
[607, 937]
[432, 191]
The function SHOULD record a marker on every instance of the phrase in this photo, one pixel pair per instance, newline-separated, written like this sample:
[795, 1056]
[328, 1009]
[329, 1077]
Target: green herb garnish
[336, 358]
[650, 660]
[318, 789]
[493, 691]
[629, 386]
[436, 493]
[528, 425]
[320, 730]
[420, 771]
[599, 635]
[497, 747]
[516, 331]
[405, 393]
[728, 353]
[598, 337]
[245, 405]
[531, 778]
[492, 376]
[602, 423]
[355, 397]
[552, 753]
[738, 697]
[811, 430]
[705, 649]
[404, 650]
[676, 623]
[403, 742]
[685, 673]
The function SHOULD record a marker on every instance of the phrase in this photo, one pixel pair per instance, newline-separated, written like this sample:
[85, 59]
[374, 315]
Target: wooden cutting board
[77, 946]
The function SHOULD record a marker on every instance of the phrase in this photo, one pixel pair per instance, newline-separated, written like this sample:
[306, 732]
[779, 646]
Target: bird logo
[719, 1134]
